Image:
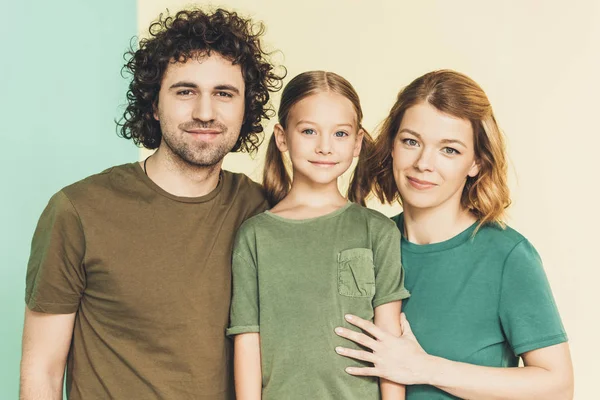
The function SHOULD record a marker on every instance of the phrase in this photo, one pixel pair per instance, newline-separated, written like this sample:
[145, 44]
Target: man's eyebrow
[183, 84]
[230, 88]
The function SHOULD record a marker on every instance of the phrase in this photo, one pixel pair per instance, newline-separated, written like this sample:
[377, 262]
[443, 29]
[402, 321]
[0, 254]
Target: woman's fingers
[357, 354]
[406, 331]
[366, 326]
[357, 337]
[365, 371]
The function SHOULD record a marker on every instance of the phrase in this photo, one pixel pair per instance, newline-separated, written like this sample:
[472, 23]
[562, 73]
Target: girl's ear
[359, 142]
[280, 139]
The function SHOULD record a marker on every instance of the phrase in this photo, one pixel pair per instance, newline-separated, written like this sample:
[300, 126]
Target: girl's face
[322, 137]
[433, 154]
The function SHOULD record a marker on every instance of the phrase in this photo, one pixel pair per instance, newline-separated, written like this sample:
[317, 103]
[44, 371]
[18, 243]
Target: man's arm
[46, 342]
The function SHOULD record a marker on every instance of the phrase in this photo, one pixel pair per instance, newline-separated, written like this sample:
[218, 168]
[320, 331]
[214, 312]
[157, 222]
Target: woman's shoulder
[502, 239]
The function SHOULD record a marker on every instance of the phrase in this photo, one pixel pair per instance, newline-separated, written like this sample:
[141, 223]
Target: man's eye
[224, 94]
[184, 92]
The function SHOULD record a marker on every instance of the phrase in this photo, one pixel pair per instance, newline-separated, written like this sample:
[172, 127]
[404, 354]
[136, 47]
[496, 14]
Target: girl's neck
[435, 225]
[310, 200]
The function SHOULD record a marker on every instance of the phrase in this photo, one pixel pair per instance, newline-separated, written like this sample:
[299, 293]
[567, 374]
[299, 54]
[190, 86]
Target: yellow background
[538, 61]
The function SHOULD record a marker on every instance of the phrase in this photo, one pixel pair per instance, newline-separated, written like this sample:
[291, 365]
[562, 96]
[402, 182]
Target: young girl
[481, 299]
[298, 268]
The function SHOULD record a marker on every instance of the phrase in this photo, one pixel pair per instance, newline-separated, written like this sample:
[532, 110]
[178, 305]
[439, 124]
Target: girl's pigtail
[360, 184]
[276, 180]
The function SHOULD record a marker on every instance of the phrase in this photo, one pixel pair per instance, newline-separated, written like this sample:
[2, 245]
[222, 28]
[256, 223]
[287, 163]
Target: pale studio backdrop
[538, 61]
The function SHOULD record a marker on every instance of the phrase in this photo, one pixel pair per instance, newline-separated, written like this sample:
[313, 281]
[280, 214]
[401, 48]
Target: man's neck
[426, 226]
[180, 178]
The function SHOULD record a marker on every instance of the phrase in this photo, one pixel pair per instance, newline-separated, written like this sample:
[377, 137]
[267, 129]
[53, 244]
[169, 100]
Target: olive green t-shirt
[293, 281]
[149, 276]
[480, 299]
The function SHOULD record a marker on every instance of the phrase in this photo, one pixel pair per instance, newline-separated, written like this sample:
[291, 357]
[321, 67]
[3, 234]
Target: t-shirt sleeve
[389, 274]
[244, 314]
[528, 313]
[55, 274]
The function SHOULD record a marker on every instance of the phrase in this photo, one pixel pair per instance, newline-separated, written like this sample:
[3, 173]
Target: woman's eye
[410, 142]
[450, 150]
[309, 131]
[340, 134]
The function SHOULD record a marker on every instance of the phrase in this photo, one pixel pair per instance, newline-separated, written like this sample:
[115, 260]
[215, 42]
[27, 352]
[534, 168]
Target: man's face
[201, 109]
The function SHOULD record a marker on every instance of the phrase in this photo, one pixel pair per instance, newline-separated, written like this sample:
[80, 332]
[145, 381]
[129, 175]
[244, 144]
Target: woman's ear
[280, 138]
[359, 141]
[474, 169]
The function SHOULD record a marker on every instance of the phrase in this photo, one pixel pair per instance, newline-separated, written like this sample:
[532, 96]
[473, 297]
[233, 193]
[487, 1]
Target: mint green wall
[61, 89]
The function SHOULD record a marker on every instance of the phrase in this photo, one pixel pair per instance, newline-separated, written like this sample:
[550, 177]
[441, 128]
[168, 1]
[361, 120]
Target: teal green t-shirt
[481, 299]
[293, 281]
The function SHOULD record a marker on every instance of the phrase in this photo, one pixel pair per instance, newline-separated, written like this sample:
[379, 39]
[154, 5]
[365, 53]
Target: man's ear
[280, 138]
[359, 142]
[155, 110]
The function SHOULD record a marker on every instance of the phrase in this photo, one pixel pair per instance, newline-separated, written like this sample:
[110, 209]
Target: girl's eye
[309, 131]
[450, 150]
[410, 142]
[340, 134]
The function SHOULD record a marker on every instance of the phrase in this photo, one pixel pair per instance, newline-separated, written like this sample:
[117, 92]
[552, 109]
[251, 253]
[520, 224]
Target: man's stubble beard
[200, 154]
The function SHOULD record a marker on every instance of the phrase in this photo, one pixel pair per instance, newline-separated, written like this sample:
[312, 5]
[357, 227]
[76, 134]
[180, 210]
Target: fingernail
[348, 317]
[339, 350]
[349, 370]
[338, 330]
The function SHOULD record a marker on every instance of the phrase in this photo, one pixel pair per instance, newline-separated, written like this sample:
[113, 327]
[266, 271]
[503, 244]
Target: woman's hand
[398, 359]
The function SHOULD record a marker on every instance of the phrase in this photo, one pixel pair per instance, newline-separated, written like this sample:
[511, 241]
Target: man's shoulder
[108, 180]
[244, 187]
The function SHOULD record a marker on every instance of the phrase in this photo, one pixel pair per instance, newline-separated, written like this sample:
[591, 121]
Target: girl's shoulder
[374, 218]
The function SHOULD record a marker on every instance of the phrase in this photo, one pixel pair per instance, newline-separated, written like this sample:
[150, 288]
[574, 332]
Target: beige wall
[539, 62]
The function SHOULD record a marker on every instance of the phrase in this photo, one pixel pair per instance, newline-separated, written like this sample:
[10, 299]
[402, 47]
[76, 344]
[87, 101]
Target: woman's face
[433, 154]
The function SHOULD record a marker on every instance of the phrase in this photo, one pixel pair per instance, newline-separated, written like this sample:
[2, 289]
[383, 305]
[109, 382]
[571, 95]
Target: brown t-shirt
[149, 275]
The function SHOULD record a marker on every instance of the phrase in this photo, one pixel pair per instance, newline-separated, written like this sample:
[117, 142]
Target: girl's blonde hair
[486, 195]
[276, 179]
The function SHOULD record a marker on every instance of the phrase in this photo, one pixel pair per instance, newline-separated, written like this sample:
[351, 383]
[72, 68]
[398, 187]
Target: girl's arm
[548, 372]
[246, 364]
[387, 317]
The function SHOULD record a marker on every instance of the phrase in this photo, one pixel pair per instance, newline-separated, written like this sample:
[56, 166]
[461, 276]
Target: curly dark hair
[187, 34]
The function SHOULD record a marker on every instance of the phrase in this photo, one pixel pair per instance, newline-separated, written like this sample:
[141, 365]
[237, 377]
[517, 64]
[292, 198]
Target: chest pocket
[356, 273]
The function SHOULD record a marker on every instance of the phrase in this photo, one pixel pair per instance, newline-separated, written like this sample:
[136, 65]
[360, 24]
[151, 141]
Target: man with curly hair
[128, 282]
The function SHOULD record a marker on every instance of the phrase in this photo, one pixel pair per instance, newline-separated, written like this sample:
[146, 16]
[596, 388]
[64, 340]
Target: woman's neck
[435, 225]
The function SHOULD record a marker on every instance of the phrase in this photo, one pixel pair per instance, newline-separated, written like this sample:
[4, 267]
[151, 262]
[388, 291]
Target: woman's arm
[548, 372]
[246, 364]
[387, 317]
